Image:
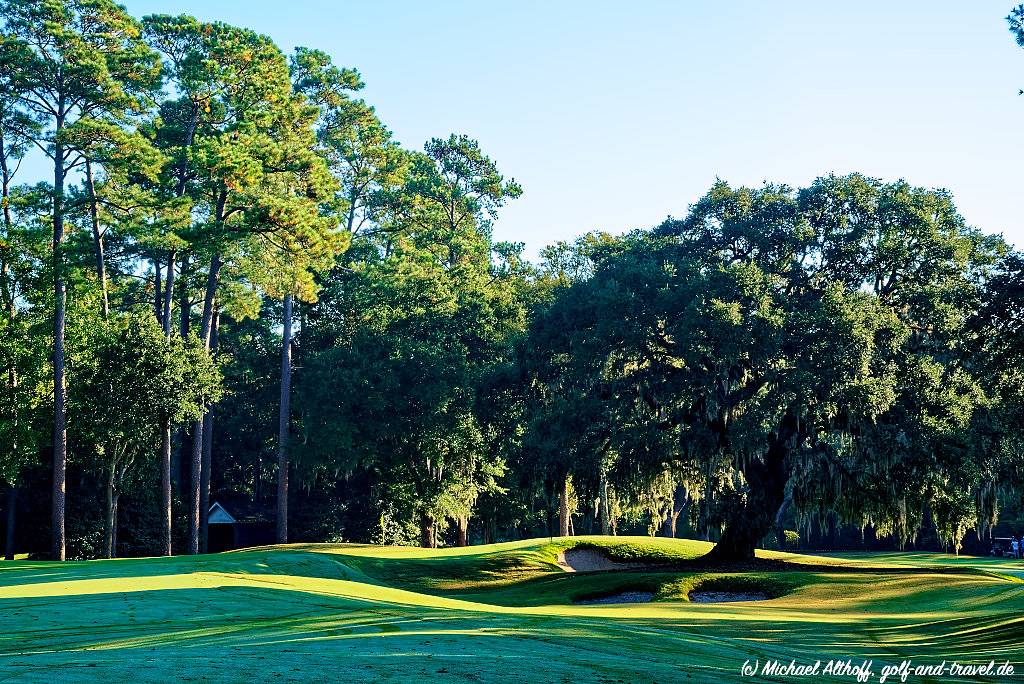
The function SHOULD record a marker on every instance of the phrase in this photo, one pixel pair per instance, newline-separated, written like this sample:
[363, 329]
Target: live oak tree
[568, 424]
[994, 442]
[567, 431]
[920, 262]
[805, 341]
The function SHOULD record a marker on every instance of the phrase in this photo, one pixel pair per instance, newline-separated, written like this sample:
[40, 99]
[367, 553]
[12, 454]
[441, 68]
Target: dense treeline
[238, 286]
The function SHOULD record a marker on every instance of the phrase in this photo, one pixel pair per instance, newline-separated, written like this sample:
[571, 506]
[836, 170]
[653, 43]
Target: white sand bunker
[624, 597]
[726, 596]
[582, 559]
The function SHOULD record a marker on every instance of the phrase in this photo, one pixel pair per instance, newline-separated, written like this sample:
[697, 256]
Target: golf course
[574, 342]
[510, 612]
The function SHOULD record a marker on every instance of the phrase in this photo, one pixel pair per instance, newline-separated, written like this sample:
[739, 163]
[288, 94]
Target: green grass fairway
[503, 612]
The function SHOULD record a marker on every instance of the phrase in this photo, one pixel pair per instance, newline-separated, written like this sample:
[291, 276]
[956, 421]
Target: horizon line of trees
[237, 281]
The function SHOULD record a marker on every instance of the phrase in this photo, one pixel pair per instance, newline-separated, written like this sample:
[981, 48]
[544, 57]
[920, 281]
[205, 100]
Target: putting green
[499, 612]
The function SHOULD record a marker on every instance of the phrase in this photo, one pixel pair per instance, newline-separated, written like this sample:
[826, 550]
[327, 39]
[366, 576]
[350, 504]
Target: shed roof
[219, 515]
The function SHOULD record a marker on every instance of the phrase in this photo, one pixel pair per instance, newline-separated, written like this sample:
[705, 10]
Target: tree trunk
[168, 293]
[165, 487]
[179, 191]
[766, 480]
[158, 293]
[12, 518]
[180, 448]
[604, 512]
[563, 508]
[427, 538]
[209, 300]
[8, 282]
[180, 433]
[680, 502]
[283, 420]
[668, 527]
[462, 527]
[780, 520]
[97, 238]
[207, 459]
[5, 177]
[185, 303]
[195, 484]
[350, 223]
[113, 543]
[60, 432]
[204, 482]
[12, 373]
[108, 527]
[668, 523]
[190, 136]
[165, 427]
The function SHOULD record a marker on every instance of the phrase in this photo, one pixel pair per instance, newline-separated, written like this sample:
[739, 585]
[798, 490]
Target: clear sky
[613, 115]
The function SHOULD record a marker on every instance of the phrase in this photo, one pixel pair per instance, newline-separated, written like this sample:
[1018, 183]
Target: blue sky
[613, 115]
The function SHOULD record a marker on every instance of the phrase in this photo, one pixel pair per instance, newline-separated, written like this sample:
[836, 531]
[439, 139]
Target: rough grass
[502, 612]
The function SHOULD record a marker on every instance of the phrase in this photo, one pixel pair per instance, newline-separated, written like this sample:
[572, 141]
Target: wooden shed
[238, 528]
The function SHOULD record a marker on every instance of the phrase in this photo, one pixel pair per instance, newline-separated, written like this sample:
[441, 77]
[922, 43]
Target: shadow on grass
[271, 621]
[245, 617]
[456, 572]
[259, 562]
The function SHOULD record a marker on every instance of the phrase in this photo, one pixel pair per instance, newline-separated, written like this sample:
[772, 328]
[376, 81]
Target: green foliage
[136, 377]
[241, 145]
[24, 356]
[358, 148]
[423, 316]
[1016, 23]
[80, 59]
[131, 380]
[832, 322]
[852, 345]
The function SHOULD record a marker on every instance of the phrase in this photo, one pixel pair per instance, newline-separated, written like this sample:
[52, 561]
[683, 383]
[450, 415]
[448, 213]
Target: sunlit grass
[503, 611]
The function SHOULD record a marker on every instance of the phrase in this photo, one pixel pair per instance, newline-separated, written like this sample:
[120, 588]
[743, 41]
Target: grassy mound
[770, 585]
[505, 612]
[641, 550]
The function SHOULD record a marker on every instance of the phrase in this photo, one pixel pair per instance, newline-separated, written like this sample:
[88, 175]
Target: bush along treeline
[237, 286]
